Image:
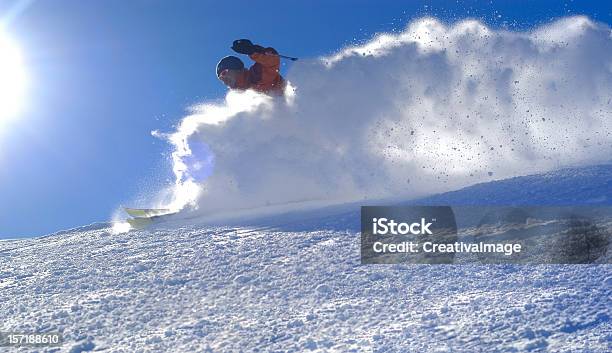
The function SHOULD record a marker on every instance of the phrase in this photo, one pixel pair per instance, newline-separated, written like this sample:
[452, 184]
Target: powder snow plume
[431, 109]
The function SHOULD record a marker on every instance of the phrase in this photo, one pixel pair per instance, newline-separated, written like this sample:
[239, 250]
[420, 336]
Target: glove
[244, 46]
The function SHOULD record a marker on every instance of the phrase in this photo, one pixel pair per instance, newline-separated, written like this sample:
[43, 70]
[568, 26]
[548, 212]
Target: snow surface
[295, 283]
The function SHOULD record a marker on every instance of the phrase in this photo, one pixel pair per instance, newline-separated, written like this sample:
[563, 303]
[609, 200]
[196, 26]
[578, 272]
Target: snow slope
[294, 283]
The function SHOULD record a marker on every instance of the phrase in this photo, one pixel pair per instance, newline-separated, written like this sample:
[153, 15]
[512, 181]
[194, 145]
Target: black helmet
[231, 63]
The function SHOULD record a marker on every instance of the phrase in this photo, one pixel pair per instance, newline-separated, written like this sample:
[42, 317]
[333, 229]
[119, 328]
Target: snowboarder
[263, 76]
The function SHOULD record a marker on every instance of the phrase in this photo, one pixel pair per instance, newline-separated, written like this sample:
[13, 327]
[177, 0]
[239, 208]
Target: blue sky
[104, 74]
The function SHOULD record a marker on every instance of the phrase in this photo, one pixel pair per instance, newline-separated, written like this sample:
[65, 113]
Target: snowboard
[147, 212]
[142, 217]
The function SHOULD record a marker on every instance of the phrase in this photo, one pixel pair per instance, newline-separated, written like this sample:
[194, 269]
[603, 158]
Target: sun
[13, 79]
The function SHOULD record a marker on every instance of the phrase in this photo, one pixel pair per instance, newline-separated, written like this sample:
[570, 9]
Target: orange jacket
[264, 75]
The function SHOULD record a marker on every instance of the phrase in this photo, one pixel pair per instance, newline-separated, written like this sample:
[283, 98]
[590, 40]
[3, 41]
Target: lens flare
[13, 79]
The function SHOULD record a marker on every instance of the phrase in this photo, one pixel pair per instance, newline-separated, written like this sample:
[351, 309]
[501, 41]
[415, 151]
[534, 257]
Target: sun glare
[12, 79]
